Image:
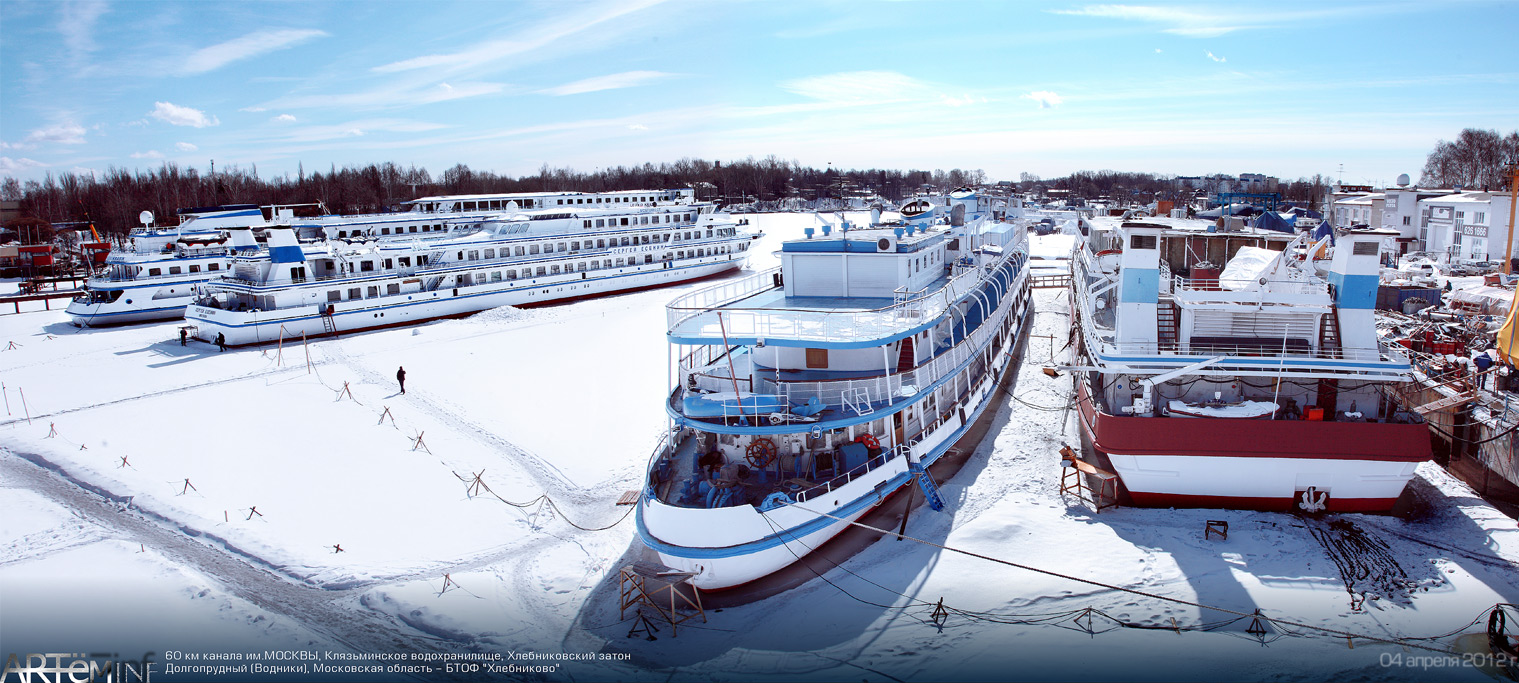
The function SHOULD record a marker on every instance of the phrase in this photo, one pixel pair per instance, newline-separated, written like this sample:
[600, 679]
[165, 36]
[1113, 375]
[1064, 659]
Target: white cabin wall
[793, 358]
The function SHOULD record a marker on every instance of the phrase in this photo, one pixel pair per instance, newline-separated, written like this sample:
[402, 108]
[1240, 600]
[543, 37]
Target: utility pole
[1513, 194]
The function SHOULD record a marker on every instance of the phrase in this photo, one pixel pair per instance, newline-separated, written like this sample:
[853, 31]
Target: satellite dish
[511, 206]
[146, 218]
[1403, 179]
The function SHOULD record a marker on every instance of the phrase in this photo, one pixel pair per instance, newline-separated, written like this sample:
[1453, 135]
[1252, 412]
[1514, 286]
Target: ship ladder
[926, 482]
[328, 324]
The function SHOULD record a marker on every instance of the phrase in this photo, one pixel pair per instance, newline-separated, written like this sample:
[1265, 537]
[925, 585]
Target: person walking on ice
[183, 336]
[221, 342]
[401, 377]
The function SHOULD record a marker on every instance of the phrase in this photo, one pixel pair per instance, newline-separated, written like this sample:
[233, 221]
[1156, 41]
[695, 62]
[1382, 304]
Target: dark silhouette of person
[221, 342]
[184, 336]
[401, 377]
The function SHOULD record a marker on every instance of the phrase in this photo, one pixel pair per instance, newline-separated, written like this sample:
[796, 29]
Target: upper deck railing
[687, 314]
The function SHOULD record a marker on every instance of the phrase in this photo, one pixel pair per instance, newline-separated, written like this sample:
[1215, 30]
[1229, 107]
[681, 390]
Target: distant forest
[114, 199]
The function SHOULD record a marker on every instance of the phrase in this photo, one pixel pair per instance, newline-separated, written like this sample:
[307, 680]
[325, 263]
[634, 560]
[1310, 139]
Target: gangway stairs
[926, 482]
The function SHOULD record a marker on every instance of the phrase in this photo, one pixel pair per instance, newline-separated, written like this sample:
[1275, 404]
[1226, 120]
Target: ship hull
[1254, 464]
[242, 328]
[747, 545]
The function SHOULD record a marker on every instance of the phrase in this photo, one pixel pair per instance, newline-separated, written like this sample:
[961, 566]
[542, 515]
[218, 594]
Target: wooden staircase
[1167, 324]
[1329, 332]
[905, 357]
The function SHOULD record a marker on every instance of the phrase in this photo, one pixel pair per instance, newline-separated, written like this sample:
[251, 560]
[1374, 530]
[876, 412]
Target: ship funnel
[283, 247]
[242, 239]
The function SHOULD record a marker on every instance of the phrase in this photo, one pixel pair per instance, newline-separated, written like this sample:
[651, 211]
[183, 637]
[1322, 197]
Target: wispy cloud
[637, 126]
[1178, 21]
[626, 79]
[254, 109]
[67, 133]
[283, 118]
[251, 45]
[524, 42]
[356, 128]
[390, 96]
[76, 21]
[150, 154]
[1045, 98]
[11, 166]
[181, 116]
[185, 146]
[858, 87]
[1216, 58]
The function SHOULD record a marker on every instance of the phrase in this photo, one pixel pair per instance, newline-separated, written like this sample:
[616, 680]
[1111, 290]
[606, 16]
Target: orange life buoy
[868, 440]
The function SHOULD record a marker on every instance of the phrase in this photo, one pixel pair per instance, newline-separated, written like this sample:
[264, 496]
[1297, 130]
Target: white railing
[1212, 285]
[689, 305]
[813, 324]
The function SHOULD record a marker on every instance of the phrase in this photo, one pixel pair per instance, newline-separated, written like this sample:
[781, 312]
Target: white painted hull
[121, 313]
[1262, 478]
[254, 327]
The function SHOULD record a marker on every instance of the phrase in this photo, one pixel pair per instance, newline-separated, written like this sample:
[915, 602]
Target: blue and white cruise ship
[519, 257]
[807, 394]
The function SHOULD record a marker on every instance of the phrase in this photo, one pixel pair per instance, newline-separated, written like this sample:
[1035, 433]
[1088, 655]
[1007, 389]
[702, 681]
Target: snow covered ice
[568, 401]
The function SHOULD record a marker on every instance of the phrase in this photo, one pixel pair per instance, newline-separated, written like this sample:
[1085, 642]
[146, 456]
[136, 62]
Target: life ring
[1105, 252]
[761, 452]
[868, 440]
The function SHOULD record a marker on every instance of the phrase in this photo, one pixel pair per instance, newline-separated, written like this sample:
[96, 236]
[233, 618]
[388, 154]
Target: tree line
[113, 200]
[1476, 160]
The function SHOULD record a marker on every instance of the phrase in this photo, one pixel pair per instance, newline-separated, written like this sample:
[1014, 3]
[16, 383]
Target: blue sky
[1282, 88]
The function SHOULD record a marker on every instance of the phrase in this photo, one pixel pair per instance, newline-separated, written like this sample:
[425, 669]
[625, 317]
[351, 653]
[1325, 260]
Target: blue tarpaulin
[1324, 229]
[1270, 221]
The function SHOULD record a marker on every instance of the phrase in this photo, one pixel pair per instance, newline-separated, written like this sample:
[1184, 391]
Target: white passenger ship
[154, 275]
[517, 258]
[805, 395]
[1263, 386]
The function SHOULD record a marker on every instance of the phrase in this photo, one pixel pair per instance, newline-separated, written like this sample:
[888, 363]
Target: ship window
[648, 258]
[374, 291]
[561, 246]
[817, 358]
[422, 260]
[554, 269]
[413, 228]
[511, 274]
[601, 223]
[582, 265]
[561, 202]
[474, 255]
[601, 244]
[384, 231]
[405, 261]
[389, 264]
[680, 254]
[173, 270]
[645, 239]
[495, 276]
[335, 295]
[1365, 249]
[215, 266]
[621, 262]
[490, 253]
[587, 224]
[1141, 241]
[541, 271]
[353, 293]
[521, 251]
[624, 221]
[366, 266]
[574, 246]
[624, 241]
[342, 233]
[532, 249]
[393, 288]
[607, 263]
[195, 269]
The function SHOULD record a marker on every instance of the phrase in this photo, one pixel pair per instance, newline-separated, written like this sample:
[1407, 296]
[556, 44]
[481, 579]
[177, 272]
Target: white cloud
[1215, 57]
[150, 154]
[284, 118]
[181, 116]
[389, 97]
[254, 109]
[637, 126]
[81, 170]
[524, 42]
[14, 166]
[1157, 50]
[76, 22]
[185, 147]
[859, 87]
[626, 79]
[1182, 22]
[67, 133]
[1045, 98]
[251, 45]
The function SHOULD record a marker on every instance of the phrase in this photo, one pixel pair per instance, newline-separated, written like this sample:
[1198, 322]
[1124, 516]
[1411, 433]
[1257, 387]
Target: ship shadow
[870, 580]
